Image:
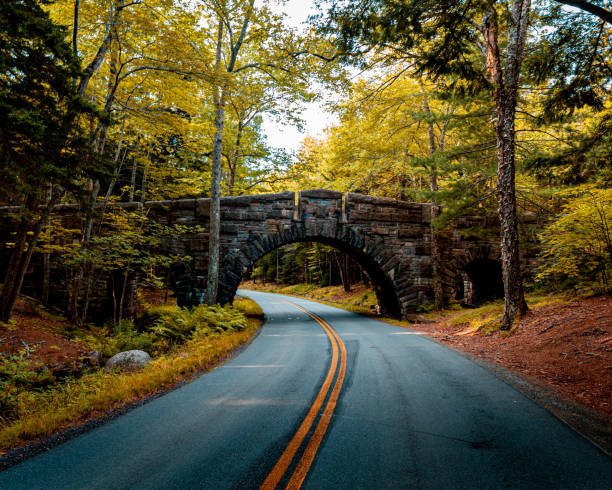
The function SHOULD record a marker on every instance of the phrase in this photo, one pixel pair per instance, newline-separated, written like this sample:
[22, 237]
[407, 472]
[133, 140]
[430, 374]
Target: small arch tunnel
[482, 281]
[362, 265]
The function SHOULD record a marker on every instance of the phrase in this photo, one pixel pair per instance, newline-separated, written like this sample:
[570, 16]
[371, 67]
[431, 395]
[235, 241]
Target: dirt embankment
[38, 335]
[565, 346]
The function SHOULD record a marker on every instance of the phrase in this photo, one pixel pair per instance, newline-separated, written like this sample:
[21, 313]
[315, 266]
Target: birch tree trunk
[143, 184]
[233, 163]
[220, 94]
[214, 245]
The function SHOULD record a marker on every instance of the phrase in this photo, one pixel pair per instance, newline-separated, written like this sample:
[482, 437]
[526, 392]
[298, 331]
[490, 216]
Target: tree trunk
[511, 266]
[122, 298]
[85, 272]
[214, 245]
[143, 185]
[439, 300]
[77, 281]
[75, 36]
[133, 180]
[505, 97]
[342, 261]
[46, 281]
[233, 163]
[96, 63]
[12, 273]
[215, 185]
[118, 166]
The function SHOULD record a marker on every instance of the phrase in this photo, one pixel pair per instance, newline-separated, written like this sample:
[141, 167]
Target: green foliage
[17, 376]
[40, 140]
[311, 263]
[175, 325]
[571, 56]
[578, 245]
[178, 324]
[158, 328]
[126, 337]
[587, 157]
[128, 243]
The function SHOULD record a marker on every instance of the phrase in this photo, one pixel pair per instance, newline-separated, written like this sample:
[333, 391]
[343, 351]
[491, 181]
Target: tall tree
[219, 97]
[137, 61]
[461, 39]
[252, 40]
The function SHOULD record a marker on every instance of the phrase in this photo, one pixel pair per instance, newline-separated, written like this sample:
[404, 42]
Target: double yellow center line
[301, 470]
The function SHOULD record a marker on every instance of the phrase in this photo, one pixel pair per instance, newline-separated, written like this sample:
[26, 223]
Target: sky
[315, 115]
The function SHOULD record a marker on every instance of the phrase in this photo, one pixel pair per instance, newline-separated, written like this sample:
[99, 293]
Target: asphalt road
[396, 410]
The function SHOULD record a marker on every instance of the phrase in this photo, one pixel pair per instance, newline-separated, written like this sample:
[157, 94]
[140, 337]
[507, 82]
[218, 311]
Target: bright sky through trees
[316, 116]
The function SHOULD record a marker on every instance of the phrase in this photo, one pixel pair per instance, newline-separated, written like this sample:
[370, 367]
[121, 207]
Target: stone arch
[485, 278]
[479, 269]
[368, 252]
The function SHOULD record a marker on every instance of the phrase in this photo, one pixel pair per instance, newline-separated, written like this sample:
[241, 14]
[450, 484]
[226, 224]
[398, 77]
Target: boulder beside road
[131, 360]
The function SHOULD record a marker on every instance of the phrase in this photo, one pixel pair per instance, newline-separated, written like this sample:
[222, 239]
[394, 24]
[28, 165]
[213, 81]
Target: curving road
[323, 398]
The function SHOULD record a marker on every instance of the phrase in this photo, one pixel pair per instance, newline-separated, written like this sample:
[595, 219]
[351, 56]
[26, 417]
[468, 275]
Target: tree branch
[589, 7]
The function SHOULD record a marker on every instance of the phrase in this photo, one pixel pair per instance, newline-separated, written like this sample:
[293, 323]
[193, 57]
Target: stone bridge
[390, 239]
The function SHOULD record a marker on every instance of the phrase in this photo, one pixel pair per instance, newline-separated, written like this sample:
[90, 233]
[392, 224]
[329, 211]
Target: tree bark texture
[505, 90]
[214, 245]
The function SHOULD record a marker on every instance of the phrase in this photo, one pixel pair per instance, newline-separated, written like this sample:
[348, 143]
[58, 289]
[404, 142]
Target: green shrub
[126, 337]
[17, 376]
[177, 325]
[577, 246]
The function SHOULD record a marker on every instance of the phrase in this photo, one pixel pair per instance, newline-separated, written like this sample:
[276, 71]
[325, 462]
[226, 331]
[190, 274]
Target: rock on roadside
[131, 360]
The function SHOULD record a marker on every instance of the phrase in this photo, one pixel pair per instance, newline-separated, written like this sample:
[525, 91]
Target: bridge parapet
[365, 209]
[319, 204]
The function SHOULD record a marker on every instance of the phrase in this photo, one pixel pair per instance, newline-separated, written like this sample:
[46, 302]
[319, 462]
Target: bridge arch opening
[483, 281]
[381, 283]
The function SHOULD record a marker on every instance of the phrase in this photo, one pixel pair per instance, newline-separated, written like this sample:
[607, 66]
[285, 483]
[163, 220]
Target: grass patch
[248, 307]
[39, 413]
[486, 319]
[478, 316]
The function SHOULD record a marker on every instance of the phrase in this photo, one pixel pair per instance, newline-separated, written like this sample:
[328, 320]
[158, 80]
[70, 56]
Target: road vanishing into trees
[324, 398]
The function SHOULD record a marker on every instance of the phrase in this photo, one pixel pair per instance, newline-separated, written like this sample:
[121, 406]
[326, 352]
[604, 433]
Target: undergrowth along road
[42, 413]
